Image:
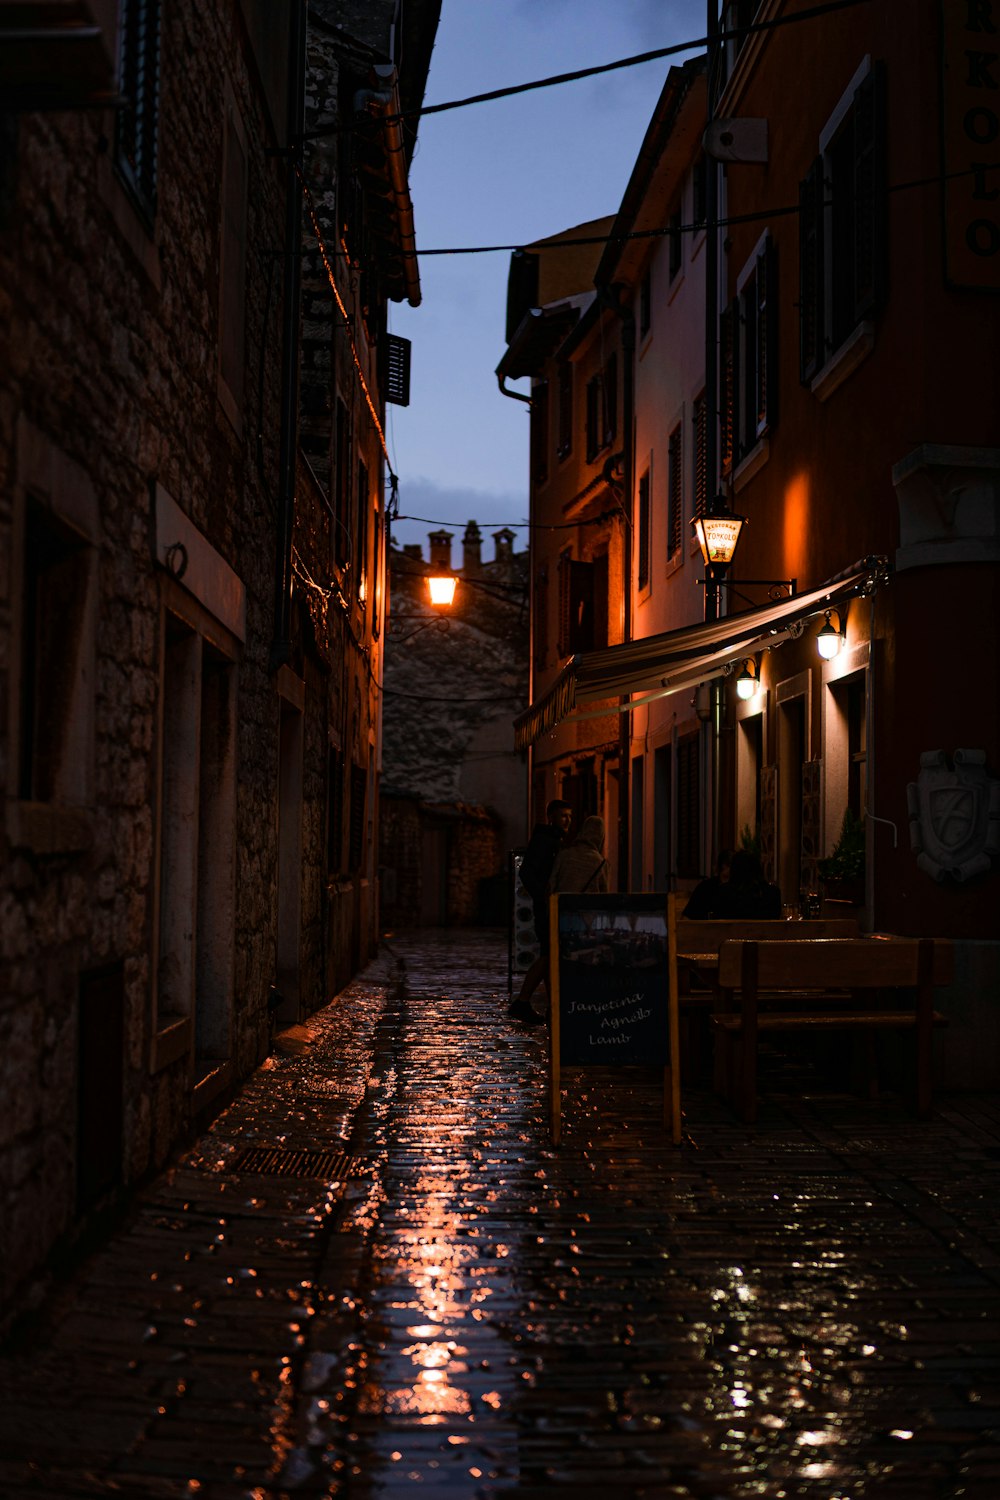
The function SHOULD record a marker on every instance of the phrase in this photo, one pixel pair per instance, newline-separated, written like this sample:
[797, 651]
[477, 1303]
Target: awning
[663, 664]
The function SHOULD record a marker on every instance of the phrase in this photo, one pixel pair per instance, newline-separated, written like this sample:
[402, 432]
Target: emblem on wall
[954, 815]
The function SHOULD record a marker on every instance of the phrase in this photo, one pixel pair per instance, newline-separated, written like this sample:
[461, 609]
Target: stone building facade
[454, 789]
[187, 744]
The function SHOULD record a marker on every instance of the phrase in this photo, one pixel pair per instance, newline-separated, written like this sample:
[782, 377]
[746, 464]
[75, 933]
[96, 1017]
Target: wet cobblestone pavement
[808, 1309]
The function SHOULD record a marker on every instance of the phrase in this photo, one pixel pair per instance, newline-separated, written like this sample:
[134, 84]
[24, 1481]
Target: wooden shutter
[700, 475]
[136, 143]
[869, 195]
[564, 441]
[675, 492]
[811, 291]
[767, 338]
[643, 531]
[397, 383]
[729, 326]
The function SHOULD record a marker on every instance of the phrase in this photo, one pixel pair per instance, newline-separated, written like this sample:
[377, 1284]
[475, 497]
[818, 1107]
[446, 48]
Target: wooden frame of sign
[613, 991]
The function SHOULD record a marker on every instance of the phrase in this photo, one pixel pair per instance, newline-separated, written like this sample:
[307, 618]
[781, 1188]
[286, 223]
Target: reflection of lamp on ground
[441, 589]
[830, 637]
[718, 532]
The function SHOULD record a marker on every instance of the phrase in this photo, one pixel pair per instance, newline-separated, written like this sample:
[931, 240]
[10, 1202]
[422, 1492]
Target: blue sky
[507, 172]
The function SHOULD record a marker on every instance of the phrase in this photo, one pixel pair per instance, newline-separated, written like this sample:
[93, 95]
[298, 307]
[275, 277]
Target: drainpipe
[289, 400]
[610, 296]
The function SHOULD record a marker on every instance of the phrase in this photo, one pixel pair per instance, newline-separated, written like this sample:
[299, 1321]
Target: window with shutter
[609, 386]
[576, 605]
[397, 383]
[136, 121]
[699, 472]
[675, 492]
[842, 225]
[564, 442]
[729, 331]
[342, 487]
[754, 403]
[642, 532]
[594, 417]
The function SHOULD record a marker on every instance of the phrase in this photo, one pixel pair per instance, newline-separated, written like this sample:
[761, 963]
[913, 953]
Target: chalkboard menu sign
[613, 984]
[613, 980]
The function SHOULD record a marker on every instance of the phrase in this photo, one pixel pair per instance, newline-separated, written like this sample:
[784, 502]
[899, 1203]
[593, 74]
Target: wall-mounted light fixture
[747, 683]
[442, 590]
[830, 637]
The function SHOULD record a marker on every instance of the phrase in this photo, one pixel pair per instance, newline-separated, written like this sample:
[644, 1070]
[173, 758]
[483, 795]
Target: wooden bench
[823, 983]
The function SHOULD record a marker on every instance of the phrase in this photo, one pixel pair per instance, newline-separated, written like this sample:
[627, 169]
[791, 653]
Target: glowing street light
[442, 591]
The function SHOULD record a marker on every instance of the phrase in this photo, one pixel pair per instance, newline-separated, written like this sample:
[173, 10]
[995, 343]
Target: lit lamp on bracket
[830, 637]
[747, 683]
[441, 590]
[718, 532]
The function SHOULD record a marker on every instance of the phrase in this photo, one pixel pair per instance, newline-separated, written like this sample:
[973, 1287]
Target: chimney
[472, 562]
[414, 550]
[503, 541]
[441, 550]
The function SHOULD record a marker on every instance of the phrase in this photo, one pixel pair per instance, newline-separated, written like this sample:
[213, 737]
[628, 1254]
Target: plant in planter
[843, 872]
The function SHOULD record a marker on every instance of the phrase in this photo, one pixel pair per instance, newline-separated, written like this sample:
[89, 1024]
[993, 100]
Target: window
[540, 433]
[646, 303]
[564, 440]
[576, 605]
[674, 236]
[359, 807]
[232, 270]
[602, 408]
[342, 487]
[397, 370]
[842, 225]
[747, 367]
[642, 532]
[139, 71]
[735, 15]
[675, 492]
[334, 811]
[699, 473]
[699, 191]
[56, 684]
[361, 534]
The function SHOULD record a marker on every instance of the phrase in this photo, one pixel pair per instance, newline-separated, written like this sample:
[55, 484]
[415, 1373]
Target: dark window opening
[642, 531]
[135, 135]
[675, 492]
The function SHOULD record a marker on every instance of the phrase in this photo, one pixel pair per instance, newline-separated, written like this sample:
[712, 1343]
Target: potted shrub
[843, 872]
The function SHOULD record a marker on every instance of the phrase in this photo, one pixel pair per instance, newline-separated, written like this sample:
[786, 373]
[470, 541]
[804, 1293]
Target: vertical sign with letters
[970, 134]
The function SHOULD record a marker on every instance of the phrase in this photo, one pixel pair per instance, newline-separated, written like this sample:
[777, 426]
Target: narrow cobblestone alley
[810, 1309]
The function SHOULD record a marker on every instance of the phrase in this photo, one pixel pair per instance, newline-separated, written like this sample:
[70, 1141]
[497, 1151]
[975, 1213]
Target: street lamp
[830, 638]
[747, 683]
[442, 590]
[718, 532]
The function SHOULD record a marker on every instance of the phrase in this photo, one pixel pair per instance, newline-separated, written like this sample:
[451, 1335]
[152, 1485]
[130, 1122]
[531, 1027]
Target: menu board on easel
[613, 989]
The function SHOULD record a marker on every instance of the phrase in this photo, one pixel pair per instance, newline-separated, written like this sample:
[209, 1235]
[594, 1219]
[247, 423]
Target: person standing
[536, 867]
[581, 866]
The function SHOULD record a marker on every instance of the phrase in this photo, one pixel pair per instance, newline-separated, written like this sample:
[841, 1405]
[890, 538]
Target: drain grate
[275, 1161]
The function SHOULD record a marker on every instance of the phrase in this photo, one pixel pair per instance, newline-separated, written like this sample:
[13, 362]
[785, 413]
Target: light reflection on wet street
[808, 1310]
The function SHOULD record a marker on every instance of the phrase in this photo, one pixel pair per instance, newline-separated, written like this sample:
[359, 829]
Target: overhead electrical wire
[691, 45]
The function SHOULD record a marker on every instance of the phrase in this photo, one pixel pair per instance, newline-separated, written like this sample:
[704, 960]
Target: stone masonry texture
[804, 1311]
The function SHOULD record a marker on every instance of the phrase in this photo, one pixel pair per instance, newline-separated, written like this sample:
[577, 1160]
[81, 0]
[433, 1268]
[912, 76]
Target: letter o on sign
[983, 237]
[982, 126]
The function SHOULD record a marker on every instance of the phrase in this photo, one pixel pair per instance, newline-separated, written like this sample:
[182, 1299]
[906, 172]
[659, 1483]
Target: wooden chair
[823, 983]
